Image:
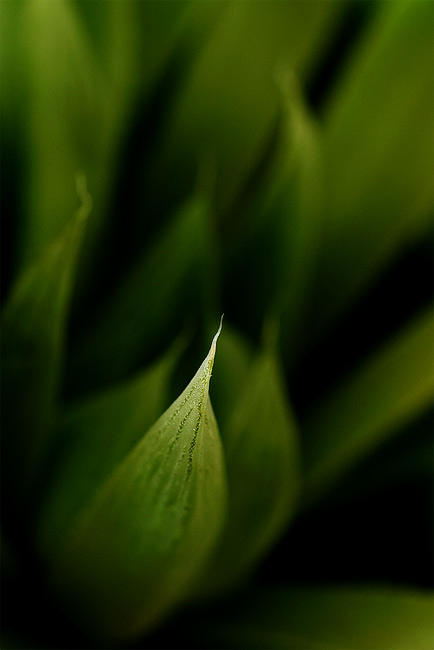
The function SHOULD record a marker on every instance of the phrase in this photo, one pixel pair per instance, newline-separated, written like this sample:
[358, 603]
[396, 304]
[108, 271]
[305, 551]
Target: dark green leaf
[262, 459]
[146, 302]
[272, 256]
[378, 148]
[33, 331]
[374, 403]
[406, 459]
[327, 618]
[234, 76]
[230, 373]
[294, 212]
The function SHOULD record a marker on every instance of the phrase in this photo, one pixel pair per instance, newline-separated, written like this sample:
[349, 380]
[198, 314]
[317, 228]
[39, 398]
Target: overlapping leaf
[262, 456]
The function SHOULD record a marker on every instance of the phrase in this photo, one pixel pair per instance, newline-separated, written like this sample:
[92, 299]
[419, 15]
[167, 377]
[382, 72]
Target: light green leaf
[95, 435]
[137, 547]
[143, 306]
[262, 457]
[378, 147]
[326, 618]
[391, 389]
[33, 331]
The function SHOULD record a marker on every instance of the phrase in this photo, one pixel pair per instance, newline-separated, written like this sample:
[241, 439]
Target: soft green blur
[164, 163]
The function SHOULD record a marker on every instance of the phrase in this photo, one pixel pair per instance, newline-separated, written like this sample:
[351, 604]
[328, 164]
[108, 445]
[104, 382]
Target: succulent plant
[164, 163]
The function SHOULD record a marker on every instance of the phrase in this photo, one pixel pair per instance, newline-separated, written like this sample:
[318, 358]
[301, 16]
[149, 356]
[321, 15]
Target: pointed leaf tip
[214, 341]
[138, 546]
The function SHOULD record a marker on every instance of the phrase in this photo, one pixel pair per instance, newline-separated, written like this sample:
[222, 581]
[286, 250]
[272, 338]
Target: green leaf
[142, 76]
[64, 121]
[390, 390]
[294, 212]
[12, 65]
[326, 618]
[262, 457]
[145, 302]
[407, 459]
[378, 148]
[95, 435]
[272, 253]
[33, 331]
[234, 76]
[116, 31]
[137, 547]
[230, 373]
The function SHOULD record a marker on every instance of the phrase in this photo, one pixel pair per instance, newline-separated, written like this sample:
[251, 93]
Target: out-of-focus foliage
[272, 161]
[334, 618]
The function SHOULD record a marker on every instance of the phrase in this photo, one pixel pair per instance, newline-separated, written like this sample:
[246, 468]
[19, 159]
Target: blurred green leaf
[115, 516]
[378, 147]
[273, 250]
[33, 332]
[95, 435]
[262, 457]
[145, 302]
[77, 76]
[146, 50]
[13, 70]
[234, 77]
[294, 212]
[64, 119]
[326, 618]
[389, 390]
[136, 548]
[116, 30]
[406, 459]
[230, 373]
